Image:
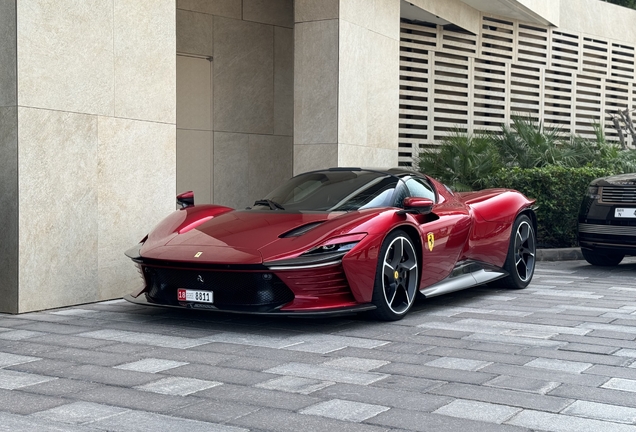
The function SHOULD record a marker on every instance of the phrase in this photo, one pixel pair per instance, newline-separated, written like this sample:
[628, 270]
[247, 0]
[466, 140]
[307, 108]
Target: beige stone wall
[234, 98]
[96, 147]
[346, 83]
[8, 159]
[599, 18]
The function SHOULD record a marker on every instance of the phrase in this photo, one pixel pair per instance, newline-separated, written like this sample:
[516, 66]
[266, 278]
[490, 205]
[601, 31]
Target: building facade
[109, 107]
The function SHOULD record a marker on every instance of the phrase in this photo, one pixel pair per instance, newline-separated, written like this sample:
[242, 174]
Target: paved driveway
[557, 356]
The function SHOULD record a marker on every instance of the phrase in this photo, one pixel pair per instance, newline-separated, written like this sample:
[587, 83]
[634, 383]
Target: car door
[444, 233]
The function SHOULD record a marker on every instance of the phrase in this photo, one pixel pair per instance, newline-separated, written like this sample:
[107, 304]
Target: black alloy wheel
[397, 277]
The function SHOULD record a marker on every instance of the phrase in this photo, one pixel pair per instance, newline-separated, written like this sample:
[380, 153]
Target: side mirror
[417, 205]
[185, 199]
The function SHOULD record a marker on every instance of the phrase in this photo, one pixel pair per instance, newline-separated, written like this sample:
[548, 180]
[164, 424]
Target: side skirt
[466, 274]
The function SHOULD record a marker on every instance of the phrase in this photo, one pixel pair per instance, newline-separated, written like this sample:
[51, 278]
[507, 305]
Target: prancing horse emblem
[431, 241]
[198, 254]
[200, 279]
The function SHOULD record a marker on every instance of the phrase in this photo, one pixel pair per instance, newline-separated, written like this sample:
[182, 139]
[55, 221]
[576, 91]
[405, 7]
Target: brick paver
[557, 356]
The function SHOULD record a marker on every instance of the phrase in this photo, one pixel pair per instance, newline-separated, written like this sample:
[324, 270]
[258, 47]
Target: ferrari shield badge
[431, 241]
[198, 254]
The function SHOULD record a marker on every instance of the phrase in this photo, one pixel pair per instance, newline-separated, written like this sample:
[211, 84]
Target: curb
[559, 254]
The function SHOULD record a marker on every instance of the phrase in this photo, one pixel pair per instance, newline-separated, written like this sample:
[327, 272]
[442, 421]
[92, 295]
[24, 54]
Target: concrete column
[93, 166]
[346, 83]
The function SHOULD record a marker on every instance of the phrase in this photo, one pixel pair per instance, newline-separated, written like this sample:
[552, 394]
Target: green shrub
[558, 191]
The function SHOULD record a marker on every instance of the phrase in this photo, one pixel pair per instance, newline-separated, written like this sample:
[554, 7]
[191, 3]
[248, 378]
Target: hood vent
[298, 231]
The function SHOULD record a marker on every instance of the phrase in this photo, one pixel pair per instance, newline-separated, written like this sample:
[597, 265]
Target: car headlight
[329, 252]
[592, 192]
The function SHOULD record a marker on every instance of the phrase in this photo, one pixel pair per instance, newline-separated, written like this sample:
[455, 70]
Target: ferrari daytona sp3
[334, 241]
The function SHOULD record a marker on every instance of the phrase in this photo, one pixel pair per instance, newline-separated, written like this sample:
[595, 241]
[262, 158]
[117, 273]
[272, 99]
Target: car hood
[617, 180]
[252, 237]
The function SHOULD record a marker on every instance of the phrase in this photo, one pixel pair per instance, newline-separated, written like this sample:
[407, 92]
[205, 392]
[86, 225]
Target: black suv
[607, 220]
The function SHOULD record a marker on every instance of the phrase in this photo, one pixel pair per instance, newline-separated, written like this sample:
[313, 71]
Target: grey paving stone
[89, 356]
[11, 380]
[44, 367]
[560, 423]
[125, 348]
[503, 397]
[60, 387]
[384, 355]
[19, 334]
[178, 386]
[144, 338]
[435, 373]
[523, 384]
[285, 421]
[355, 363]
[79, 412]
[403, 348]
[515, 340]
[323, 373]
[426, 422]
[594, 394]
[597, 341]
[481, 411]
[458, 363]
[18, 402]
[73, 312]
[394, 398]
[249, 363]
[601, 411]
[188, 355]
[476, 354]
[407, 383]
[621, 384]
[138, 421]
[135, 399]
[292, 384]
[546, 374]
[215, 373]
[108, 375]
[559, 365]
[258, 396]
[215, 411]
[631, 353]
[70, 341]
[576, 356]
[21, 423]
[613, 371]
[609, 327]
[589, 348]
[612, 335]
[51, 327]
[504, 327]
[253, 340]
[151, 365]
[7, 359]
[344, 410]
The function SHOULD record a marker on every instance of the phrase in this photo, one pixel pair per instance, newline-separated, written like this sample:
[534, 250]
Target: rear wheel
[521, 254]
[604, 259]
[396, 279]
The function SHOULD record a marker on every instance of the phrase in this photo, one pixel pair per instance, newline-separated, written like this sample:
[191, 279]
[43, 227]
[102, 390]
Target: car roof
[395, 172]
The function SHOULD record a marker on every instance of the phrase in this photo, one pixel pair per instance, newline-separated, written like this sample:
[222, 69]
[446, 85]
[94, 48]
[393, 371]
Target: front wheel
[521, 254]
[604, 259]
[396, 279]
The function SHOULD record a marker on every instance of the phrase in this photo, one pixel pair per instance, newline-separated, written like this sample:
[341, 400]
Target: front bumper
[144, 300]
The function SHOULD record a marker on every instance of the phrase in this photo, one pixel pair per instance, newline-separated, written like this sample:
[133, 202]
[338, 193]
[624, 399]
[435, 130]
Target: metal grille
[618, 194]
[608, 229]
[450, 79]
[259, 291]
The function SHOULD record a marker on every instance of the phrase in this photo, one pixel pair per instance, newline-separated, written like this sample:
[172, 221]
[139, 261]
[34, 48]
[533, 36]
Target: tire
[396, 277]
[521, 256]
[603, 259]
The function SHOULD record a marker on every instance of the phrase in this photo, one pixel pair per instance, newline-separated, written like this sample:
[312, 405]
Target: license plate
[625, 213]
[195, 296]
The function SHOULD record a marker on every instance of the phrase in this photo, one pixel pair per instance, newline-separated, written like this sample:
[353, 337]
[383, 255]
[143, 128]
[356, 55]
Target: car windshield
[337, 190]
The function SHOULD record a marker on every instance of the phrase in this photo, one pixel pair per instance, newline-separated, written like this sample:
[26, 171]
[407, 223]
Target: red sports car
[336, 241]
